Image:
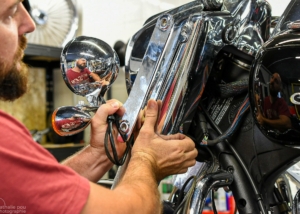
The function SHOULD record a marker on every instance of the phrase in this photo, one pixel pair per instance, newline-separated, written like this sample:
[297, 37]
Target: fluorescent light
[86, 54]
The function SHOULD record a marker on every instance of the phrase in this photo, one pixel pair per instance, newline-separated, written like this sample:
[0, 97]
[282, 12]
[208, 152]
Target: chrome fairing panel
[186, 55]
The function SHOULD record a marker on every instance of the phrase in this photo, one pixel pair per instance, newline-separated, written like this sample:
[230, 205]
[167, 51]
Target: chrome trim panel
[155, 54]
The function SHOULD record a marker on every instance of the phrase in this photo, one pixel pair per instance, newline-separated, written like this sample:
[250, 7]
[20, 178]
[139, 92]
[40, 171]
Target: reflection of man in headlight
[71, 123]
[80, 74]
[276, 112]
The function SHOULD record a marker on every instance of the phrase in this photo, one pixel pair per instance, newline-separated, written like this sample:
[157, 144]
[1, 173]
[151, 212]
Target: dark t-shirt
[278, 107]
[76, 78]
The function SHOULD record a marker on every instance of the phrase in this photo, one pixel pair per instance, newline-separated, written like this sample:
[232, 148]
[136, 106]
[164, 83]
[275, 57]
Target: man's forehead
[8, 4]
[276, 76]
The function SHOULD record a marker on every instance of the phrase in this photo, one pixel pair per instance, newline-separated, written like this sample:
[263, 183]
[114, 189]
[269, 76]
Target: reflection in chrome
[241, 64]
[70, 120]
[87, 88]
[296, 203]
[176, 83]
[285, 128]
[293, 174]
[212, 4]
[294, 25]
[94, 98]
[291, 14]
[204, 186]
[89, 66]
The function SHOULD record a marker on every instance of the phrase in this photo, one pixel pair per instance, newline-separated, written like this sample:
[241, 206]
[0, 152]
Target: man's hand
[99, 125]
[168, 155]
[153, 158]
[92, 162]
[260, 118]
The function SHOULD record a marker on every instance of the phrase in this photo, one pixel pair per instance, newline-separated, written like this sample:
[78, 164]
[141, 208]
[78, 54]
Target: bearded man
[31, 177]
[80, 74]
[276, 112]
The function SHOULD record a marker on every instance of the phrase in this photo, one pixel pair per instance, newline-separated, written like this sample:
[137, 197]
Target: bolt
[230, 169]
[164, 22]
[124, 127]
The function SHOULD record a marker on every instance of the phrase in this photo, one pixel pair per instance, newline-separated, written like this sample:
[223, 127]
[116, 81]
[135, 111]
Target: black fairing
[279, 57]
[264, 157]
[265, 161]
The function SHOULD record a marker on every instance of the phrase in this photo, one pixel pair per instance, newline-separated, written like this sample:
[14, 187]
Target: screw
[164, 22]
[124, 127]
[230, 169]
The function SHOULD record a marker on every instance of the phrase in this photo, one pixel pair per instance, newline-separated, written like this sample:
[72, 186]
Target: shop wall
[120, 19]
[30, 109]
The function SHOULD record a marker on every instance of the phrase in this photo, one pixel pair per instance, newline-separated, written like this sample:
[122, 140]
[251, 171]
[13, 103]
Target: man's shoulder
[12, 131]
[86, 70]
[70, 70]
[9, 124]
[281, 99]
[8, 120]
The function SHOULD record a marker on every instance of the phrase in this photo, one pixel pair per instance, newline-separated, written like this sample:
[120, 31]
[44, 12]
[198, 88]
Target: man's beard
[81, 67]
[13, 84]
[273, 92]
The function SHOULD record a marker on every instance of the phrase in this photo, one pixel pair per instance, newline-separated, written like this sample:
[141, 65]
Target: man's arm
[282, 123]
[95, 77]
[89, 162]
[153, 158]
[136, 193]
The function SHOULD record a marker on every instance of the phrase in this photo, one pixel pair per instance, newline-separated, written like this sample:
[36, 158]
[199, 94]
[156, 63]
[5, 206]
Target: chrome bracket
[149, 68]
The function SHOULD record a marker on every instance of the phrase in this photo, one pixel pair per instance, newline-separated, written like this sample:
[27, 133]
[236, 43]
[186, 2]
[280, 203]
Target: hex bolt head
[124, 127]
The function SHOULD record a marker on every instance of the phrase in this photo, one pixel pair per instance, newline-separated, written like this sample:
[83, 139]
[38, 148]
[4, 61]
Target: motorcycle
[214, 64]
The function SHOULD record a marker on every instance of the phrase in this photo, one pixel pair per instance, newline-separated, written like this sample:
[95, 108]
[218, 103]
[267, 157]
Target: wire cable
[181, 194]
[213, 202]
[231, 130]
[183, 205]
[233, 88]
[109, 134]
